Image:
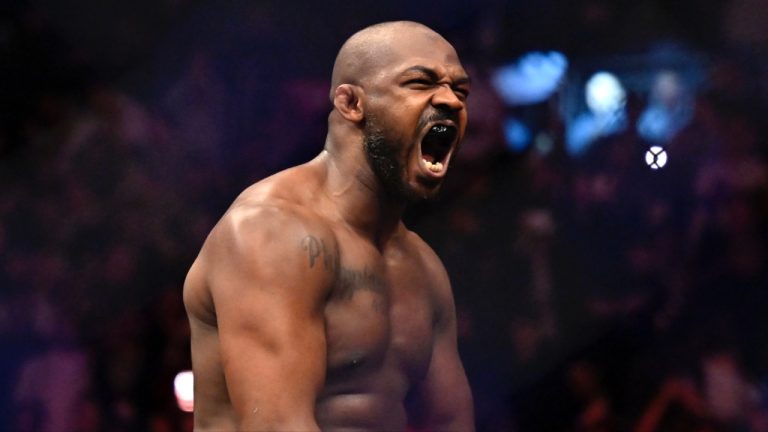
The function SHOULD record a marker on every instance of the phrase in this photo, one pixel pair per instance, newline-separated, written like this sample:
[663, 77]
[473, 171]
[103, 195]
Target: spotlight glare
[670, 109]
[532, 79]
[517, 134]
[656, 157]
[605, 94]
[183, 388]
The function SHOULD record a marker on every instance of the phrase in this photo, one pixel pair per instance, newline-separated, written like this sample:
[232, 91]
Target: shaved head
[367, 50]
[392, 84]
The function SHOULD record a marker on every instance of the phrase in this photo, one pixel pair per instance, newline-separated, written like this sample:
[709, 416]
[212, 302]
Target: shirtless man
[312, 306]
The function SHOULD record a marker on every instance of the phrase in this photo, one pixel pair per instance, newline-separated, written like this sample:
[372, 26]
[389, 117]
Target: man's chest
[380, 314]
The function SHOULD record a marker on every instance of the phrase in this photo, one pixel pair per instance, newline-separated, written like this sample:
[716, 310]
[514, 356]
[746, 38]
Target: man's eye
[463, 94]
[419, 82]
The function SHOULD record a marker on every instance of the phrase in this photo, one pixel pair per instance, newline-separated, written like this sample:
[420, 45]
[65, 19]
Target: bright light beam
[656, 157]
[183, 388]
[604, 94]
[532, 79]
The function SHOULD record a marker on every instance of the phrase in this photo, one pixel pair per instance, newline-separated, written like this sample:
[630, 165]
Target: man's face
[415, 116]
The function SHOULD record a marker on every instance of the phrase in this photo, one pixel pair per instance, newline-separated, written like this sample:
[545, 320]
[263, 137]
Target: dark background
[593, 293]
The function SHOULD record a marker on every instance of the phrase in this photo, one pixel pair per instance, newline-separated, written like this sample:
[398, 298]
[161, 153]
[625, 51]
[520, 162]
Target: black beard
[382, 159]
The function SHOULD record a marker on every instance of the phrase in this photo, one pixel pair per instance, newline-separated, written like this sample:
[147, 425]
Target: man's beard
[382, 157]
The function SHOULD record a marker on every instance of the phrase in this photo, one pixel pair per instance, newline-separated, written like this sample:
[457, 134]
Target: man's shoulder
[256, 223]
[439, 284]
[291, 187]
[429, 259]
[415, 243]
[263, 240]
[266, 236]
[282, 204]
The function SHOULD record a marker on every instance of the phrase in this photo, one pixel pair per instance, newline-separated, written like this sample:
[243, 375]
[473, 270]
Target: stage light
[532, 79]
[604, 94]
[183, 388]
[605, 97]
[517, 134]
[544, 143]
[656, 157]
[670, 109]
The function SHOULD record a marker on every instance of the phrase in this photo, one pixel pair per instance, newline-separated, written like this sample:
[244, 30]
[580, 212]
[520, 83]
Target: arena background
[594, 292]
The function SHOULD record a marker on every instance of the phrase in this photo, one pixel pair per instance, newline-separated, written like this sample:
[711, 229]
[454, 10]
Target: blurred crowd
[593, 293]
[615, 297]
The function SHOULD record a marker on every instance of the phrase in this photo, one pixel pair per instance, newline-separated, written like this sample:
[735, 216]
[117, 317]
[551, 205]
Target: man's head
[403, 87]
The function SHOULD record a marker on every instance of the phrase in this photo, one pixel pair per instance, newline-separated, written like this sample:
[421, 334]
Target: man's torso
[380, 318]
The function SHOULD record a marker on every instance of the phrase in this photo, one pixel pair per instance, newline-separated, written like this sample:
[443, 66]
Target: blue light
[670, 108]
[606, 99]
[517, 134]
[532, 79]
[604, 94]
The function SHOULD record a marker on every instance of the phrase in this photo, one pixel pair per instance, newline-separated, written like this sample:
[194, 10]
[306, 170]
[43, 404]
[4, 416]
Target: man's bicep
[274, 363]
[268, 295]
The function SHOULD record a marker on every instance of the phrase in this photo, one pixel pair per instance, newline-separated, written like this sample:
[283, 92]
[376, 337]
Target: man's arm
[445, 391]
[269, 289]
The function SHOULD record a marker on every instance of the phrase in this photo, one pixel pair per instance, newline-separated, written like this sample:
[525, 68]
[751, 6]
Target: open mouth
[436, 146]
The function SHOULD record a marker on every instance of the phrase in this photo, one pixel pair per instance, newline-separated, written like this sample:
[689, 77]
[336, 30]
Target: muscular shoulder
[269, 218]
[263, 242]
[434, 270]
[265, 236]
[429, 260]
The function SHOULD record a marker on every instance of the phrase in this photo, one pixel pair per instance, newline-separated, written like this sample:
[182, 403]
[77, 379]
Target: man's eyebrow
[462, 80]
[433, 75]
[422, 69]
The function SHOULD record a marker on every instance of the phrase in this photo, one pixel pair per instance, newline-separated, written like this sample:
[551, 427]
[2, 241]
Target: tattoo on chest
[348, 281]
[351, 281]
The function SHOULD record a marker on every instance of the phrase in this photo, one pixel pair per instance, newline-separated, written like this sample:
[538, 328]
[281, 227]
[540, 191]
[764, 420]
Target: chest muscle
[378, 317]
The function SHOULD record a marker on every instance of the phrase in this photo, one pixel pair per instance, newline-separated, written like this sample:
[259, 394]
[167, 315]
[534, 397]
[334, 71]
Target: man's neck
[358, 196]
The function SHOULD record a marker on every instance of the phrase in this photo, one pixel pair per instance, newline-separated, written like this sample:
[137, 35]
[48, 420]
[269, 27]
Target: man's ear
[347, 101]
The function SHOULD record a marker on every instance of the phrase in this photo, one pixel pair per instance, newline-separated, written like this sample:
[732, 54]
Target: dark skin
[311, 305]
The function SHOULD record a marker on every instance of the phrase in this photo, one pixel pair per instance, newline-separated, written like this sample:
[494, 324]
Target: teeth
[434, 167]
[439, 128]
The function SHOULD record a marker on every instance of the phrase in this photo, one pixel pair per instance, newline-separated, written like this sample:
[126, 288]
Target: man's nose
[445, 97]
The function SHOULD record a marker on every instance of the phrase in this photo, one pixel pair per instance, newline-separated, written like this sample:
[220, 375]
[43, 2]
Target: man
[311, 306]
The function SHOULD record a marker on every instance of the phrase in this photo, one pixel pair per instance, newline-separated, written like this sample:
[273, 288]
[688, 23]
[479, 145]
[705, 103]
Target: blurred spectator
[593, 293]
[51, 384]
